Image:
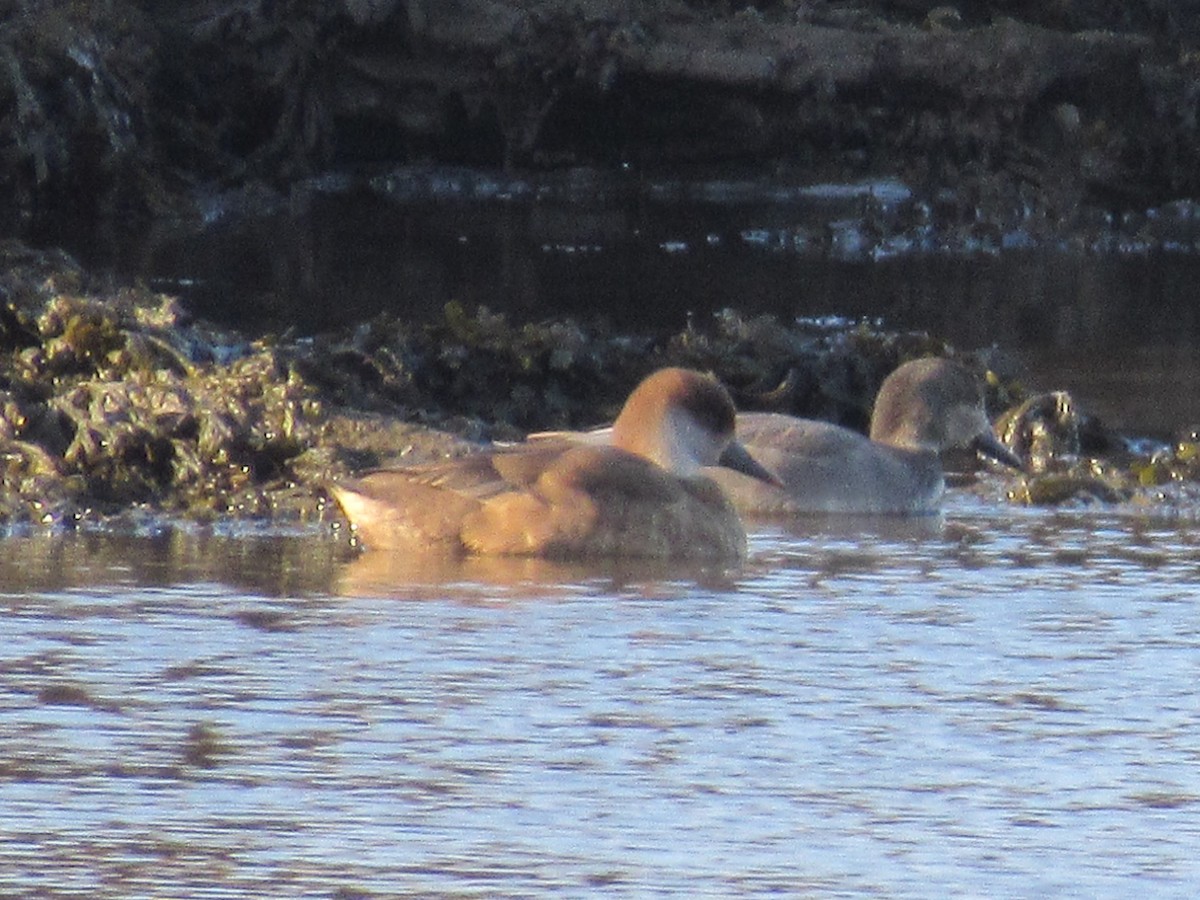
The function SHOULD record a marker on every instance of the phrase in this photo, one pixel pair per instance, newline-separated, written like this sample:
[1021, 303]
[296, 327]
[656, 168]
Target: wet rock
[1070, 457]
[123, 106]
[1042, 431]
[75, 86]
[1174, 464]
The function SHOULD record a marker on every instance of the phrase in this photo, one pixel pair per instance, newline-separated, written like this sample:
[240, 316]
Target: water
[999, 702]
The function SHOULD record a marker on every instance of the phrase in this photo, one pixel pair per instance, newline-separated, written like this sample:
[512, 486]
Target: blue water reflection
[998, 702]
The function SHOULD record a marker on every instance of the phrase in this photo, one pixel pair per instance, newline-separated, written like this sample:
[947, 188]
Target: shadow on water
[1106, 310]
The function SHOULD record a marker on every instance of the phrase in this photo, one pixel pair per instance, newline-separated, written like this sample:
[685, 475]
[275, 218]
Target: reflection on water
[498, 578]
[998, 702]
[270, 564]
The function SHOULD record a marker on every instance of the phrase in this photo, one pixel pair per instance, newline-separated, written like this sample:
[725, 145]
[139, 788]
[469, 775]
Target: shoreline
[117, 399]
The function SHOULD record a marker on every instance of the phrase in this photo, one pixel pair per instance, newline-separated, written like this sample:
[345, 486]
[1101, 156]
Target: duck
[923, 408]
[645, 493]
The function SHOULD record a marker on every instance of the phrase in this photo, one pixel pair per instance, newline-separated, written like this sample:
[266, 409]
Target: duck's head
[936, 404]
[683, 421]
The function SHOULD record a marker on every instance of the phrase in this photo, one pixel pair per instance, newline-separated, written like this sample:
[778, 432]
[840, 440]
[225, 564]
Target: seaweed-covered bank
[117, 405]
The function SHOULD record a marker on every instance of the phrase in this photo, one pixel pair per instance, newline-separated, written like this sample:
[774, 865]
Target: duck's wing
[427, 506]
[477, 475]
[390, 510]
[600, 435]
[829, 469]
[799, 449]
[557, 500]
[595, 501]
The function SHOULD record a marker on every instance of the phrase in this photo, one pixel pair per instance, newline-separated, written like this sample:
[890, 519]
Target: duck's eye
[713, 411]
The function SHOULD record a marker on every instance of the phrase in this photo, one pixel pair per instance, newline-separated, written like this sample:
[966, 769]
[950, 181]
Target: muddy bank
[117, 406]
[121, 108]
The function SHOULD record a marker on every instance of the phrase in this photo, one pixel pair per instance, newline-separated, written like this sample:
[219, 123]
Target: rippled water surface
[997, 703]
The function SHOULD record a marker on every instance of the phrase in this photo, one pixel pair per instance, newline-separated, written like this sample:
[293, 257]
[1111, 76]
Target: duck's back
[553, 500]
[600, 501]
[829, 469]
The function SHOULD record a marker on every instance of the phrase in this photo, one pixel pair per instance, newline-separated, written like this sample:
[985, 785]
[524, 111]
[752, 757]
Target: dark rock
[116, 109]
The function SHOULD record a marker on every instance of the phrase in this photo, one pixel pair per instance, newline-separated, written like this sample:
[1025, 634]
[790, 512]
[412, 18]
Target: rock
[137, 101]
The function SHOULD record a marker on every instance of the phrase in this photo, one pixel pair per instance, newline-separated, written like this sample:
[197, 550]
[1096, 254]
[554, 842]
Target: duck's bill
[987, 444]
[738, 458]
